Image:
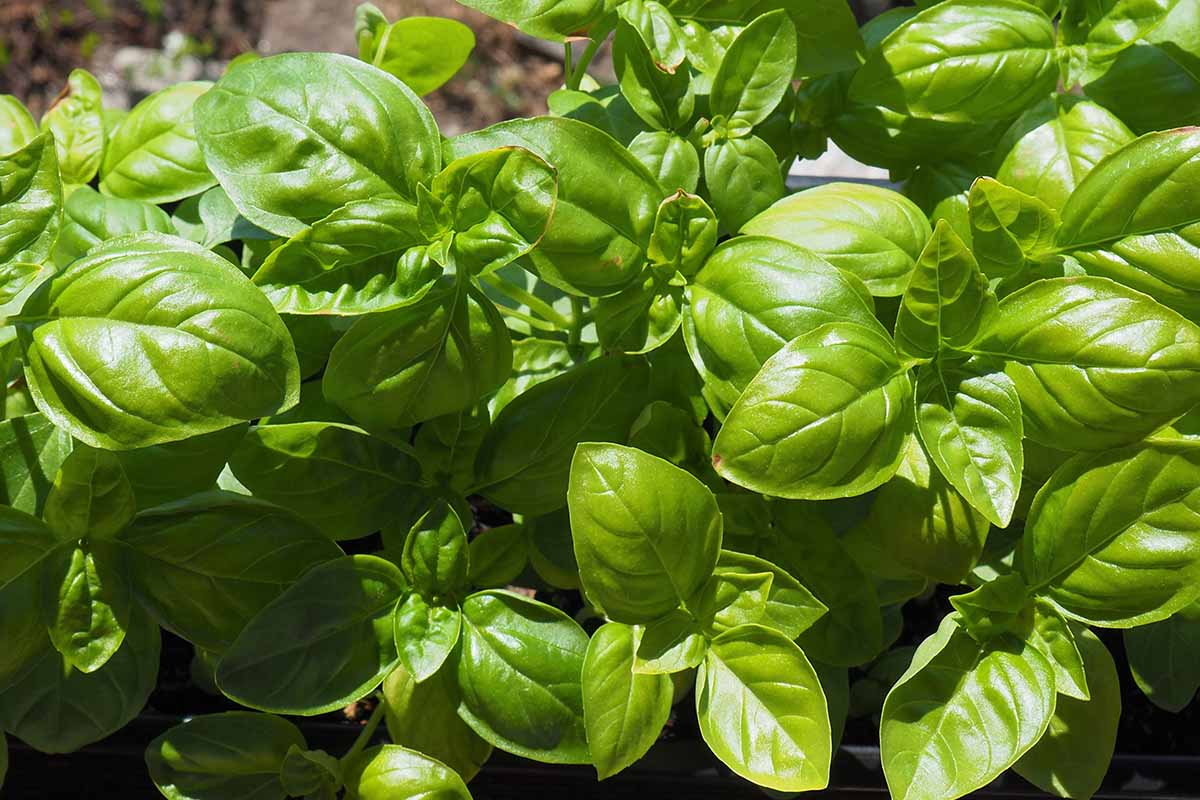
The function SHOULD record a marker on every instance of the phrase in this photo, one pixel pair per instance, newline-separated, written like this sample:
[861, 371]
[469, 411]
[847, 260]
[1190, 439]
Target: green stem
[532, 322]
[535, 303]
[577, 322]
[574, 77]
[364, 736]
[568, 57]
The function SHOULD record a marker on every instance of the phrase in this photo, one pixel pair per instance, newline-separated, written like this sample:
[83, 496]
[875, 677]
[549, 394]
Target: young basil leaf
[1055, 144]
[17, 127]
[362, 133]
[1086, 382]
[435, 559]
[336, 477]
[829, 40]
[1104, 29]
[222, 756]
[90, 497]
[731, 599]
[663, 98]
[596, 242]
[310, 773]
[743, 179]
[756, 70]
[390, 771]
[947, 300]
[1060, 642]
[424, 52]
[210, 218]
[426, 632]
[623, 711]
[153, 156]
[166, 472]
[969, 422]
[1010, 230]
[520, 674]
[32, 450]
[660, 32]
[874, 233]
[647, 534]
[55, 708]
[670, 645]
[351, 262]
[331, 632]
[672, 160]
[424, 716]
[762, 710]
[685, 232]
[1071, 759]
[438, 356]
[1005, 62]
[1164, 658]
[1111, 538]
[786, 606]
[498, 556]
[642, 317]
[31, 199]
[963, 713]
[525, 459]
[752, 297]
[91, 218]
[827, 416]
[26, 546]
[114, 365]
[996, 608]
[446, 448]
[77, 125]
[86, 603]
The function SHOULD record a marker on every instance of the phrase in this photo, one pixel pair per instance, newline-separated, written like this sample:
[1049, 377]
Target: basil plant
[537, 437]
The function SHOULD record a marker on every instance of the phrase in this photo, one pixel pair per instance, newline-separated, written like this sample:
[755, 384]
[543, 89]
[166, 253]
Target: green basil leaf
[221, 756]
[895, 139]
[90, 497]
[947, 301]
[86, 603]
[331, 632]
[1164, 658]
[1072, 758]
[940, 190]
[391, 771]
[556, 20]
[498, 556]
[647, 534]
[730, 600]
[408, 365]
[1111, 537]
[874, 233]
[153, 156]
[32, 450]
[31, 201]
[787, 606]
[641, 317]
[963, 713]
[743, 179]
[166, 472]
[206, 565]
[658, 29]
[672, 160]
[969, 421]
[296, 136]
[534, 361]
[336, 477]
[424, 52]
[113, 364]
[210, 218]
[351, 262]
[825, 417]
[762, 710]
[663, 98]
[829, 40]
[525, 459]
[91, 218]
[425, 634]
[1060, 642]
[1104, 29]
[520, 674]
[756, 70]
[1096, 365]
[623, 711]
[1010, 230]
[424, 716]
[76, 122]
[752, 297]
[446, 448]
[596, 242]
[993, 59]
[1055, 144]
[27, 545]
[312, 773]
[57, 709]
[17, 127]
[435, 558]
[685, 232]
[671, 644]
[498, 203]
